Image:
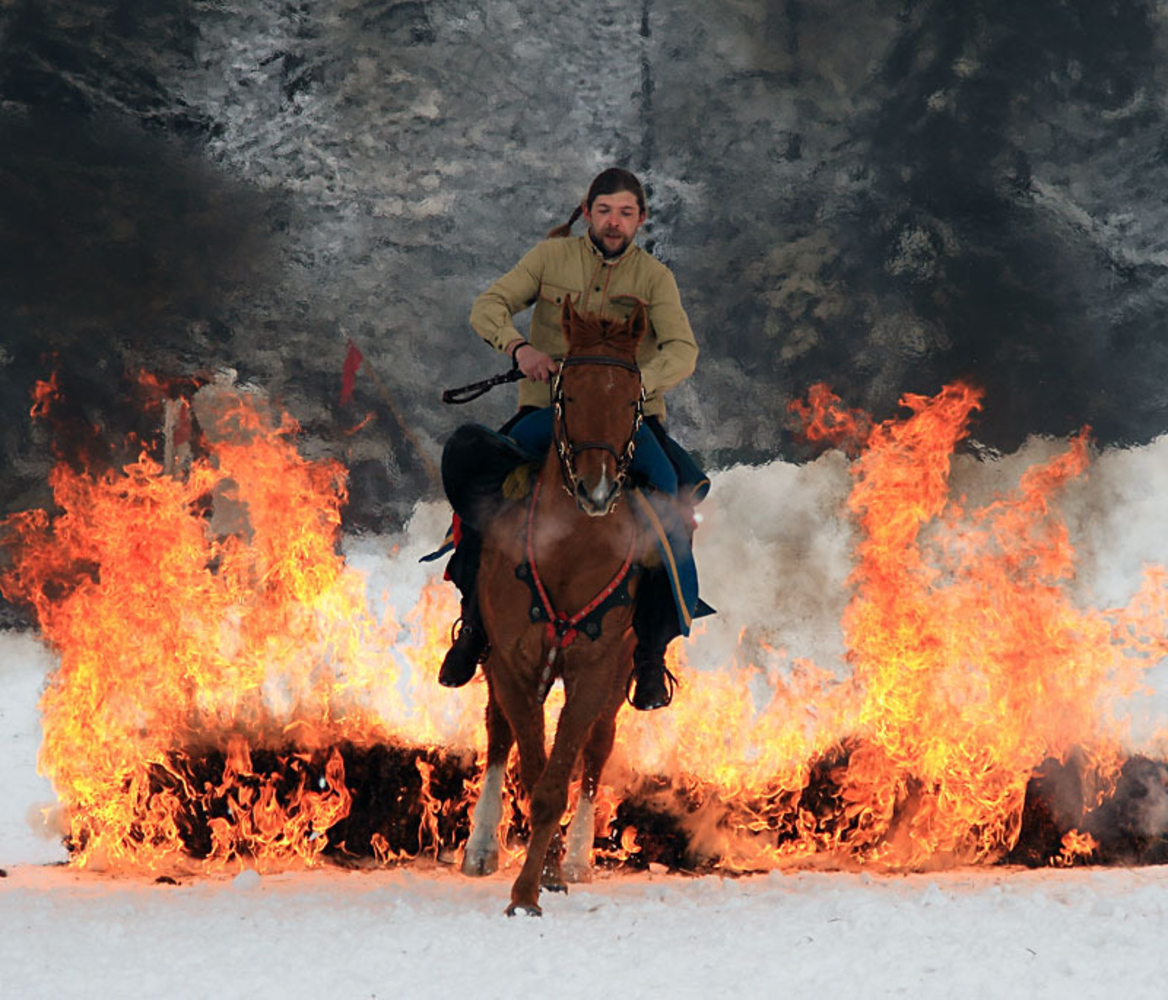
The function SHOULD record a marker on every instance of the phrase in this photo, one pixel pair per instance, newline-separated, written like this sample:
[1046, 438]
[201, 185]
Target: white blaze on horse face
[601, 493]
[482, 847]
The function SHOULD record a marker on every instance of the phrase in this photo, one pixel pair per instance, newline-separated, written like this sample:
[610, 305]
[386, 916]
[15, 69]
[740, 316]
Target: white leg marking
[482, 847]
[578, 850]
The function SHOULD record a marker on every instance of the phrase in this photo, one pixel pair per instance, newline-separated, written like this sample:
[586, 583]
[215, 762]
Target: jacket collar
[609, 261]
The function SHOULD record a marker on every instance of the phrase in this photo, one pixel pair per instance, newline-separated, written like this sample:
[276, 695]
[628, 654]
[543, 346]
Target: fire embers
[1128, 827]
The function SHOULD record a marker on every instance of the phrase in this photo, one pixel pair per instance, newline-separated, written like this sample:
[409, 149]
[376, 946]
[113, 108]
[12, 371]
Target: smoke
[775, 548]
[773, 553]
[1148, 808]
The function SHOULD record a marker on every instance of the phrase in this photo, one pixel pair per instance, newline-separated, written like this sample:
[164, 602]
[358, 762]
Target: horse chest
[583, 617]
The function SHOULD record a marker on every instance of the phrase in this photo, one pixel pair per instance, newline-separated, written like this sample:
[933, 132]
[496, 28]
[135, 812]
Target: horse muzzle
[599, 498]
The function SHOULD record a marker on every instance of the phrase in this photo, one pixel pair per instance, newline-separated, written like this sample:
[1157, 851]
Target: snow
[427, 931]
[433, 933]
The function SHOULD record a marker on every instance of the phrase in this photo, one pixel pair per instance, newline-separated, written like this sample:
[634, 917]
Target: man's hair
[614, 180]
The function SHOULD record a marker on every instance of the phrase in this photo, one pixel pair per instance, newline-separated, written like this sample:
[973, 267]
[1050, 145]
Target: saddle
[484, 470]
[477, 464]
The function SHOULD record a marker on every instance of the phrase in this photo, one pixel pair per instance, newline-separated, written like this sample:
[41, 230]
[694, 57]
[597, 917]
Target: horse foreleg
[578, 853]
[524, 713]
[548, 801]
[532, 764]
[481, 856]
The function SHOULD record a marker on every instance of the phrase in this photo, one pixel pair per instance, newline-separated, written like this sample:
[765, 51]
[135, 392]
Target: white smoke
[774, 551]
[1148, 808]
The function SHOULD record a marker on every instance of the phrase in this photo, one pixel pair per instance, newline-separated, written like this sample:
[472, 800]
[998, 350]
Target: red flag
[353, 361]
[182, 424]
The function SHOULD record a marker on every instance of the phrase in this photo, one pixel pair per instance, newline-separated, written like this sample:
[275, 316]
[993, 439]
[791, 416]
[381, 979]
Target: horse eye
[569, 399]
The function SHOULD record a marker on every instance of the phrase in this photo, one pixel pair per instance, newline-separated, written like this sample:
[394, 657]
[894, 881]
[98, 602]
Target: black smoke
[883, 196]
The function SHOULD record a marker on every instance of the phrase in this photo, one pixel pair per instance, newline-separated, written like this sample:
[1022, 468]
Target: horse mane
[590, 332]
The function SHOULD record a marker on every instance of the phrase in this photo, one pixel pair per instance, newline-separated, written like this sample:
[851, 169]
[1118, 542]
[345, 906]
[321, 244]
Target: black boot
[468, 648]
[653, 680]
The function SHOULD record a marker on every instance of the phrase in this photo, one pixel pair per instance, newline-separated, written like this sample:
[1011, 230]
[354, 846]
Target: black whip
[465, 393]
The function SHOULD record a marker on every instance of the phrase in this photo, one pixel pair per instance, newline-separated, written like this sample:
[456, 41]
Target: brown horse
[556, 587]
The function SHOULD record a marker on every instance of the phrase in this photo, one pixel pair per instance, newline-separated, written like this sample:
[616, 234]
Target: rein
[567, 449]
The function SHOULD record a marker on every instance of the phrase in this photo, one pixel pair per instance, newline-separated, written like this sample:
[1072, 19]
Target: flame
[220, 661]
[43, 394]
[1075, 845]
[824, 420]
[971, 665]
[212, 613]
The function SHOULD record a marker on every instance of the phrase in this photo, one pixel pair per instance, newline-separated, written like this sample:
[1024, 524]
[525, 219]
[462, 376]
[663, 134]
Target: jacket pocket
[554, 294]
[547, 316]
[621, 306]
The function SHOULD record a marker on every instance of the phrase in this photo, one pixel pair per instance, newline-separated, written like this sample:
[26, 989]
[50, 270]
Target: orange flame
[43, 394]
[211, 612]
[1076, 846]
[971, 666]
[824, 420]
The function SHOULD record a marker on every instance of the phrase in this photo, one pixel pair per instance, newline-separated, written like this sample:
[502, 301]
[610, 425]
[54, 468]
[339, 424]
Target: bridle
[567, 449]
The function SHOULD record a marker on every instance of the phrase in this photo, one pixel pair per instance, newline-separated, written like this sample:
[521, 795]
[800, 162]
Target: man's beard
[599, 244]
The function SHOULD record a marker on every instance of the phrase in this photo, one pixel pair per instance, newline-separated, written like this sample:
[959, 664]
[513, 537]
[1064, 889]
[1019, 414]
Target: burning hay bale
[405, 803]
[399, 802]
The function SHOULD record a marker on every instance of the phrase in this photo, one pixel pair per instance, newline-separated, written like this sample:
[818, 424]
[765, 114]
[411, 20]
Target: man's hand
[534, 363]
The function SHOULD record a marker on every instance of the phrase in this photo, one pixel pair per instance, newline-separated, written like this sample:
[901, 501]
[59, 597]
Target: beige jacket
[574, 266]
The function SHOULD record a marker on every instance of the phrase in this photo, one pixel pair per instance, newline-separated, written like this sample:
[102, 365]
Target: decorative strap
[562, 629]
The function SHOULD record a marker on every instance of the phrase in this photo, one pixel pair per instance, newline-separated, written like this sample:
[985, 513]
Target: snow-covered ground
[426, 934]
[427, 931]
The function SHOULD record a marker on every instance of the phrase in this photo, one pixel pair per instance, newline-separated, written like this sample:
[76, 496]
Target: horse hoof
[551, 879]
[575, 874]
[481, 863]
[524, 909]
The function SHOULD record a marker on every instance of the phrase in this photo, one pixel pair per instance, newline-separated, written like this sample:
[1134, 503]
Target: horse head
[597, 395]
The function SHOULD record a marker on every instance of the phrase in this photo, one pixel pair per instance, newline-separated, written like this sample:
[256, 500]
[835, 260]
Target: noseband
[567, 449]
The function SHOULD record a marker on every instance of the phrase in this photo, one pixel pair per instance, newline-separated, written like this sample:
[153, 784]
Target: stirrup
[646, 697]
[465, 633]
[468, 648]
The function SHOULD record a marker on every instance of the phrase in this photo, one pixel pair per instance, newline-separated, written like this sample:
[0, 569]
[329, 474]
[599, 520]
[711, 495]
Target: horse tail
[566, 228]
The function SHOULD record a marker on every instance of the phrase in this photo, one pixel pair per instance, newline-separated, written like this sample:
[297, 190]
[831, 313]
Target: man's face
[614, 220]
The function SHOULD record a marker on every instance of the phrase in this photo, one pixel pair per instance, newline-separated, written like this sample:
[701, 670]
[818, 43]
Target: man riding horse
[607, 274]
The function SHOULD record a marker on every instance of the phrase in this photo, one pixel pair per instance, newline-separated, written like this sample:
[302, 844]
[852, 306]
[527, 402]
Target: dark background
[885, 196]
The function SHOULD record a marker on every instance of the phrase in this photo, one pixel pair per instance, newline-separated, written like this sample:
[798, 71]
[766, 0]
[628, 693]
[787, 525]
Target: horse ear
[568, 316]
[638, 324]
